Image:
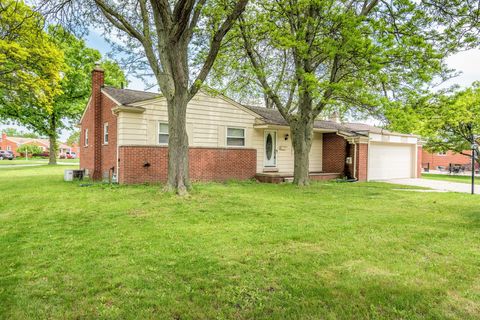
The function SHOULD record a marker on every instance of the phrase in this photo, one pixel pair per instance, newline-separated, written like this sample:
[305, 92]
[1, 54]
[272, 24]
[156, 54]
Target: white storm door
[270, 144]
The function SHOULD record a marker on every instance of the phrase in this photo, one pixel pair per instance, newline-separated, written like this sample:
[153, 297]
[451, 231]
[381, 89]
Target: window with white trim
[442, 153]
[9, 148]
[162, 133]
[86, 137]
[235, 137]
[105, 133]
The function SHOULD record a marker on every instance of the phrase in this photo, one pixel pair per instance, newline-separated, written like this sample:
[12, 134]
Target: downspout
[117, 160]
[354, 160]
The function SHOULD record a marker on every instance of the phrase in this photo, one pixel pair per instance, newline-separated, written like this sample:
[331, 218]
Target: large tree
[66, 108]
[178, 41]
[309, 56]
[30, 63]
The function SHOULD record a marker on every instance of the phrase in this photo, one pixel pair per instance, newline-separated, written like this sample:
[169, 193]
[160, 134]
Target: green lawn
[22, 161]
[234, 251]
[452, 178]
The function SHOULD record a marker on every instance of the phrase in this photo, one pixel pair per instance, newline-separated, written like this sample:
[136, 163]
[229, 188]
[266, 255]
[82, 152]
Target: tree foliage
[74, 138]
[30, 63]
[309, 57]
[175, 41]
[72, 88]
[29, 149]
[13, 132]
[451, 120]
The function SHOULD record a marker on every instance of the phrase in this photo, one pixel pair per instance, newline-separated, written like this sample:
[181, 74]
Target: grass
[22, 161]
[451, 178]
[234, 251]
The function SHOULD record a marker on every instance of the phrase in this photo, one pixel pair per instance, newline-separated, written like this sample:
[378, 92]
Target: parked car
[71, 155]
[6, 155]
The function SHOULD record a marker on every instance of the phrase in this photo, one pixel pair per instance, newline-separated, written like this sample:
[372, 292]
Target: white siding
[316, 152]
[205, 114]
[207, 120]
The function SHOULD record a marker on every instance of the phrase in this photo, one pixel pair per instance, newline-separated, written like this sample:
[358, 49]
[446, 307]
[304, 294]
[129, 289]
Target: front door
[270, 148]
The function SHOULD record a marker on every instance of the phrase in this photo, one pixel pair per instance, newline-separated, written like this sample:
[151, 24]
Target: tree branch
[215, 45]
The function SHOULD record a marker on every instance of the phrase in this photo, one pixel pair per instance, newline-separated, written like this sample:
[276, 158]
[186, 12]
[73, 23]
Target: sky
[467, 63]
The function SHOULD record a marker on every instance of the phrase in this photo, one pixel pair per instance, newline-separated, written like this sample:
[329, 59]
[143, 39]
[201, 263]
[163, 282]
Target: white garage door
[390, 161]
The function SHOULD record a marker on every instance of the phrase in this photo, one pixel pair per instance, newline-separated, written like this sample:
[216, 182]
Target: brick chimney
[97, 84]
[4, 136]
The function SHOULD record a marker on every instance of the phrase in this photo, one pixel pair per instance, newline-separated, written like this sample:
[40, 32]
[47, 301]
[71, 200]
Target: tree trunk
[302, 135]
[52, 154]
[52, 157]
[178, 175]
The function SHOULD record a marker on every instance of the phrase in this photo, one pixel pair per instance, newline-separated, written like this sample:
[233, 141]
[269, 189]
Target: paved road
[437, 185]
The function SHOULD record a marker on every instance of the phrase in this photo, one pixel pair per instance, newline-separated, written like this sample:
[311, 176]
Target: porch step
[277, 177]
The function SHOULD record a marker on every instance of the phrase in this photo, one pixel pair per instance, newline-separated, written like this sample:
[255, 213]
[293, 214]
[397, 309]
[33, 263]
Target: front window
[235, 137]
[105, 133]
[442, 153]
[162, 133]
[9, 148]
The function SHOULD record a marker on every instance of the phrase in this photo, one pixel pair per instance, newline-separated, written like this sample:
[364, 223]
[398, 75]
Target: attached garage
[391, 161]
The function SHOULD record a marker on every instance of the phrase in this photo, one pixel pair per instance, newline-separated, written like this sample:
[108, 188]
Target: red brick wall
[362, 161]
[435, 160]
[5, 143]
[206, 164]
[333, 153]
[87, 152]
[109, 151]
[97, 157]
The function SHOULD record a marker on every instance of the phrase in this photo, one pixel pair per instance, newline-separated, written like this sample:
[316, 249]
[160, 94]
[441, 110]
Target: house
[442, 160]
[124, 133]
[13, 143]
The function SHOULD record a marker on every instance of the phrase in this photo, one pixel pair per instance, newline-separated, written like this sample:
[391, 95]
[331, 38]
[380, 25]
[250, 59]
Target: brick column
[97, 84]
[362, 161]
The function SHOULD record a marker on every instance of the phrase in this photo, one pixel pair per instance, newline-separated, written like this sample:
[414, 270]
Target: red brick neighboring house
[124, 135]
[439, 160]
[13, 143]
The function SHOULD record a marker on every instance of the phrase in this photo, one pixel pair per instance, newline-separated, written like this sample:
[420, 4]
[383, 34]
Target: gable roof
[45, 142]
[128, 96]
[22, 140]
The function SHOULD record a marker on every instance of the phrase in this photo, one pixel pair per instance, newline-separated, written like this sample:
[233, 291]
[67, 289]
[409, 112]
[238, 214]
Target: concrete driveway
[436, 185]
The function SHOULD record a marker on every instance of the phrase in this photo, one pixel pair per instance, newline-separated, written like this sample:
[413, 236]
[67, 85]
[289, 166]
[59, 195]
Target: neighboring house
[442, 160]
[124, 133]
[13, 143]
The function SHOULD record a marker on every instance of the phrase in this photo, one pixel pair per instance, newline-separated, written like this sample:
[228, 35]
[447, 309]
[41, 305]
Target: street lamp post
[474, 148]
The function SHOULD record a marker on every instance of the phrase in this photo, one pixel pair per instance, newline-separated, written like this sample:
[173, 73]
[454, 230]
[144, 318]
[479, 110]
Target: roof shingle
[128, 96]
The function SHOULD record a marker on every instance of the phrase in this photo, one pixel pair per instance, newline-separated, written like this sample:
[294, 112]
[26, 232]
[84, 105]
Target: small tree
[29, 150]
[452, 121]
[74, 138]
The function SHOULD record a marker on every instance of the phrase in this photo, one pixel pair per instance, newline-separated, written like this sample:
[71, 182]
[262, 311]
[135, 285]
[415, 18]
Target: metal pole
[473, 171]
[473, 167]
